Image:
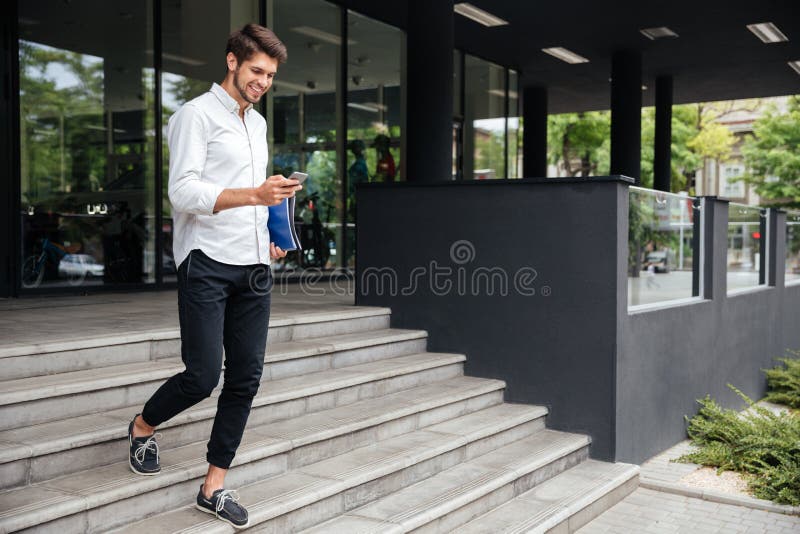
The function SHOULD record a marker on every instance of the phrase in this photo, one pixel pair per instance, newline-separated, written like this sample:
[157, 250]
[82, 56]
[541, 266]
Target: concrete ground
[648, 511]
[38, 320]
[664, 504]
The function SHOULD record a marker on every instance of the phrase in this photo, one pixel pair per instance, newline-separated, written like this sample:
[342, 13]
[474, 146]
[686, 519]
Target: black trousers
[219, 305]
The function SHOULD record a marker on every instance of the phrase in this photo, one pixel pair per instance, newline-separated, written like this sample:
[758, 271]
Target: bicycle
[34, 265]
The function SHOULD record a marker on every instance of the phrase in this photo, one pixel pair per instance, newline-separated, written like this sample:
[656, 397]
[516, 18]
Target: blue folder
[280, 225]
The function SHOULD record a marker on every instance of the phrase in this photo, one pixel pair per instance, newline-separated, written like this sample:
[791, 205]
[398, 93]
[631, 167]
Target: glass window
[663, 260]
[373, 110]
[732, 186]
[792, 247]
[745, 244]
[514, 139]
[194, 34]
[484, 119]
[86, 143]
[302, 117]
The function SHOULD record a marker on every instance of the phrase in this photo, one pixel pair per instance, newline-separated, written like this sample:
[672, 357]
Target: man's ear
[231, 61]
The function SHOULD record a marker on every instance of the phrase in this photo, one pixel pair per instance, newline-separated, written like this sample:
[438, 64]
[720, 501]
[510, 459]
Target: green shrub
[758, 443]
[784, 382]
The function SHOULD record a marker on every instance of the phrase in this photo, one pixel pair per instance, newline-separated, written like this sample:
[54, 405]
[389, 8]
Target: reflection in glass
[792, 246]
[193, 35]
[484, 119]
[86, 144]
[661, 246]
[373, 110]
[745, 237]
[302, 112]
[514, 139]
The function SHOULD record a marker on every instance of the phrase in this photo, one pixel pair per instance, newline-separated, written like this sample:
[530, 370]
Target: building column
[9, 156]
[429, 91]
[662, 162]
[626, 114]
[534, 132]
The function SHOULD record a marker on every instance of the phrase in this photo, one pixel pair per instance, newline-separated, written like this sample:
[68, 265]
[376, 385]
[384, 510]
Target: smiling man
[219, 194]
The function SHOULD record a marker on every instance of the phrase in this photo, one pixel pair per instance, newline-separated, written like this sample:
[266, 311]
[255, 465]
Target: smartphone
[299, 176]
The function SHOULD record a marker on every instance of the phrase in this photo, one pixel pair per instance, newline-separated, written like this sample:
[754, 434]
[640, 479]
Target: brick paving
[654, 512]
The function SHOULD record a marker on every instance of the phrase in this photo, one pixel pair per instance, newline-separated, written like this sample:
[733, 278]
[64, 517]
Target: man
[219, 195]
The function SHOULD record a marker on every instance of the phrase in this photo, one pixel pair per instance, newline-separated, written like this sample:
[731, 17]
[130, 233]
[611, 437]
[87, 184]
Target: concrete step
[39, 452]
[444, 502]
[111, 496]
[39, 399]
[564, 503]
[24, 359]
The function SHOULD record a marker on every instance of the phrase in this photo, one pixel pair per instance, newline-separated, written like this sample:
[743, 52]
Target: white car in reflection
[79, 265]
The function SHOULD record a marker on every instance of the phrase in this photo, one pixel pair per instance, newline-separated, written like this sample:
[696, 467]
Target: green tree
[772, 151]
[579, 142]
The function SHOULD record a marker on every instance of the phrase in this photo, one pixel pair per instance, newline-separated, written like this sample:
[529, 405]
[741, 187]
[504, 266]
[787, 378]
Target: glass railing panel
[663, 253]
[792, 247]
[746, 239]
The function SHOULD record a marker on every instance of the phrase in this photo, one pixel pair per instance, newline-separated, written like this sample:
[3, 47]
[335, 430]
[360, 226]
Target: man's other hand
[276, 252]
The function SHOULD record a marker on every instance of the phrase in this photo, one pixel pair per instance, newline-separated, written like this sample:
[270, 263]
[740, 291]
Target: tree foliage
[773, 155]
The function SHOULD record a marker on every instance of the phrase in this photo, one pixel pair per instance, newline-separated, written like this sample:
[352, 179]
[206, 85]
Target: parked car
[79, 265]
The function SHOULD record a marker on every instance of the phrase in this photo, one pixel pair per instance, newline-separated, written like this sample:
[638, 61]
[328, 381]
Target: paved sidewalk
[647, 511]
[663, 504]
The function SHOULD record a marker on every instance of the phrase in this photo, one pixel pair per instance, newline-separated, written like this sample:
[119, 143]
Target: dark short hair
[253, 38]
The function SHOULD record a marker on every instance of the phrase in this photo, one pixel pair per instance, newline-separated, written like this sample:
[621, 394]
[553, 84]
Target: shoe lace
[224, 496]
[149, 445]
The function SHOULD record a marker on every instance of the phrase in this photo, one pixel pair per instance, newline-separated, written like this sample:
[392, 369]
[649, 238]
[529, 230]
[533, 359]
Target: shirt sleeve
[187, 137]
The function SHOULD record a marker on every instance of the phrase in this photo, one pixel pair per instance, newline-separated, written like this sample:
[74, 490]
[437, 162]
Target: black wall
[669, 358]
[626, 379]
[556, 347]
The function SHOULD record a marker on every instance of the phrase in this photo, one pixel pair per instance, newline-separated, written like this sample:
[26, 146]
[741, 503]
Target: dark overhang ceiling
[715, 56]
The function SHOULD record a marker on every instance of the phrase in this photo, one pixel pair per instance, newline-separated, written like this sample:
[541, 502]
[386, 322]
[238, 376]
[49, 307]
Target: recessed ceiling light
[478, 15]
[660, 32]
[321, 35]
[767, 32]
[565, 55]
[795, 65]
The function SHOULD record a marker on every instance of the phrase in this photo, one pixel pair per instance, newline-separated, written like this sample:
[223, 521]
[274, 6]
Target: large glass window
[86, 143]
[302, 116]
[373, 110]
[484, 119]
[194, 34]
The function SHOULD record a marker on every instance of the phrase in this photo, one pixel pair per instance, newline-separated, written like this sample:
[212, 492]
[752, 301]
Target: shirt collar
[227, 100]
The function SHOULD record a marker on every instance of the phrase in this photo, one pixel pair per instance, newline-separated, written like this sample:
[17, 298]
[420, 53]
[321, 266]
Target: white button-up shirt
[210, 149]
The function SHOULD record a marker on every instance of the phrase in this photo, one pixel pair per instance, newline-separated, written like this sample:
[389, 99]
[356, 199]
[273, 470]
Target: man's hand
[275, 189]
[276, 252]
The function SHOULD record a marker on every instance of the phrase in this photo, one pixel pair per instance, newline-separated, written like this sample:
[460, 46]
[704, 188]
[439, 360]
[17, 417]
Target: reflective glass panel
[792, 247]
[484, 120]
[86, 143]
[745, 237]
[373, 110]
[661, 248]
[302, 116]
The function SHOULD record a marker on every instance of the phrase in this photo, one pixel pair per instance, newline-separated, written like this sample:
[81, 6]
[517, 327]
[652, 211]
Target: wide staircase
[356, 428]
